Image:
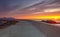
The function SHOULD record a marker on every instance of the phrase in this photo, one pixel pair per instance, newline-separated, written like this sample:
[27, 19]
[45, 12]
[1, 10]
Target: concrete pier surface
[30, 29]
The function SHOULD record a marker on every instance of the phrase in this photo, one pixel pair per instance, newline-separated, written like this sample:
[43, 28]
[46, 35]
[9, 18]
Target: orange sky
[52, 15]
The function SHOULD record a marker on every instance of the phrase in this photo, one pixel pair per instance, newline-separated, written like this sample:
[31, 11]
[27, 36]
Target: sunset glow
[48, 16]
[31, 9]
[39, 17]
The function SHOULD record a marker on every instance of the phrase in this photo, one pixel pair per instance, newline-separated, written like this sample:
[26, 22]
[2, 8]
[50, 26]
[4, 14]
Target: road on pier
[30, 29]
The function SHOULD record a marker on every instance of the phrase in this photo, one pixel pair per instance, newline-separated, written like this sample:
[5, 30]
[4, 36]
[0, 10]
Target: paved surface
[50, 30]
[21, 29]
[31, 29]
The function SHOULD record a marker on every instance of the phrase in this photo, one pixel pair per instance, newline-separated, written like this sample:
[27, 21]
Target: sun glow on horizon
[39, 17]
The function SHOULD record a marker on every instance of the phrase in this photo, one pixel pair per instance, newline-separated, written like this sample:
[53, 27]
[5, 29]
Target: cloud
[8, 5]
[44, 6]
[52, 10]
[27, 7]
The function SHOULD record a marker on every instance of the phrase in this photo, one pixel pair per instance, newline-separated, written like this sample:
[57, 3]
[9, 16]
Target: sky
[29, 8]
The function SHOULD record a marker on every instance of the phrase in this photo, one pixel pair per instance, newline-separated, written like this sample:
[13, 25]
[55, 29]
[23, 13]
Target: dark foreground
[30, 29]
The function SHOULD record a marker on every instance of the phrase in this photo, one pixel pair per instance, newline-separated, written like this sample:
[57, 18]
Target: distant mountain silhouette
[4, 18]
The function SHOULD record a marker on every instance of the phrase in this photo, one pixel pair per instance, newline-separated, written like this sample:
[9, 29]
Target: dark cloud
[8, 5]
[58, 1]
[44, 4]
[41, 6]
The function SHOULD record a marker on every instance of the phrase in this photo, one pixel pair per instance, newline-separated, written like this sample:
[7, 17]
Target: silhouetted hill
[9, 19]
